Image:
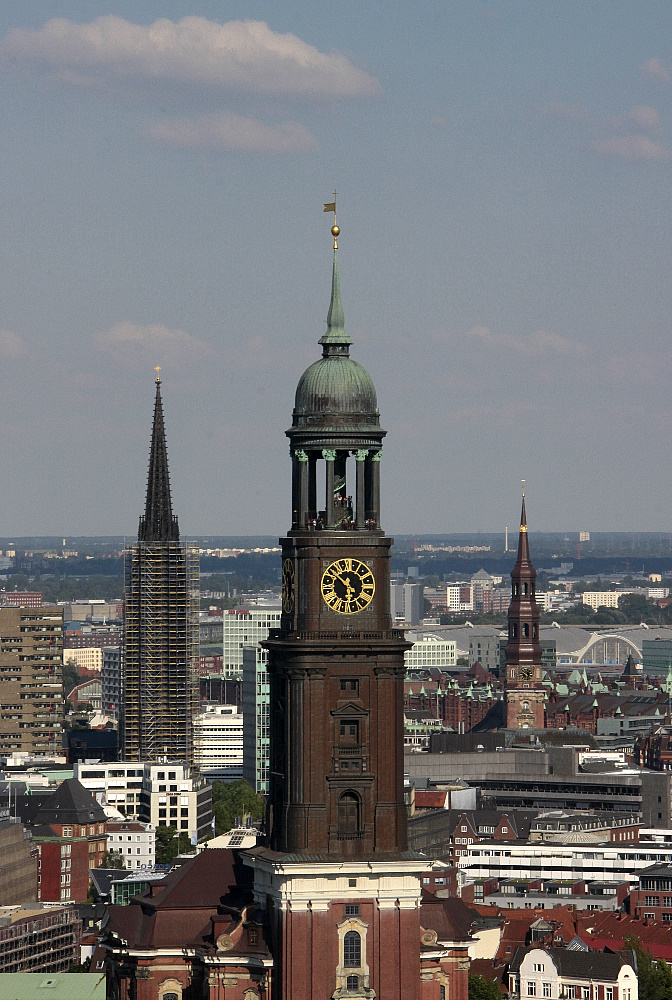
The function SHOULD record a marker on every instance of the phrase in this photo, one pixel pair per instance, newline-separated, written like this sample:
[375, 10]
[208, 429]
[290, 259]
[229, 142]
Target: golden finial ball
[335, 231]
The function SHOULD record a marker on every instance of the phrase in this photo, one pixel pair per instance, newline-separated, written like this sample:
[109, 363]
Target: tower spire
[158, 523]
[335, 340]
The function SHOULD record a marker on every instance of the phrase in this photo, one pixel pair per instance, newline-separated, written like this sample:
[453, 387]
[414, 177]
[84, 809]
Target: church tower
[524, 694]
[160, 692]
[342, 888]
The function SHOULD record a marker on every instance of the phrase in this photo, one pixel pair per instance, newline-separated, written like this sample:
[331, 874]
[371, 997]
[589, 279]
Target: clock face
[348, 586]
[526, 673]
[288, 586]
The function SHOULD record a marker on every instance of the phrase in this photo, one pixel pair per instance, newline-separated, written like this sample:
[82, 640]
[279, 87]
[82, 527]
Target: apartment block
[34, 938]
[31, 680]
[218, 743]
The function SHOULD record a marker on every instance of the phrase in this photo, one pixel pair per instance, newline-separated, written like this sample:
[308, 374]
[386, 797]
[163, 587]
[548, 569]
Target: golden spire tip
[158, 373]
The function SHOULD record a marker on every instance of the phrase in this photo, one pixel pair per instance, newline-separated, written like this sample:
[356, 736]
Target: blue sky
[503, 171]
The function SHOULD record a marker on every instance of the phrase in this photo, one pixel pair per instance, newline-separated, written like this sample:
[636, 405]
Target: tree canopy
[232, 799]
[654, 977]
[481, 988]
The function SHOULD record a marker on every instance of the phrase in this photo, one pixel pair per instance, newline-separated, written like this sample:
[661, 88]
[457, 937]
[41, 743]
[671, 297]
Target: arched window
[352, 950]
[514, 630]
[525, 588]
[169, 996]
[534, 631]
[349, 809]
[526, 630]
[515, 590]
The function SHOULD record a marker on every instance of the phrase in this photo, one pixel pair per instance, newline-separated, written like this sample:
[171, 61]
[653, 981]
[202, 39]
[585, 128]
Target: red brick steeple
[523, 650]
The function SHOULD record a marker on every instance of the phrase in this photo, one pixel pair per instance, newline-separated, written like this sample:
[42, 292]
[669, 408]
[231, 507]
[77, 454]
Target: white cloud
[224, 130]
[11, 346]
[654, 67]
[240, 55]
[151, 342]
[633, 147]
[644, 117]
[538, 343]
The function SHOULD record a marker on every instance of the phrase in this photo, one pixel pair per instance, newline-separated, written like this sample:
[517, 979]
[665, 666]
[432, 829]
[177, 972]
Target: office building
[431, 651]
[86, 658]
[256, 734]
[31, 680]
[246, 627]
[173, 796]
[218, 743]
[35, 938]
[160, 688]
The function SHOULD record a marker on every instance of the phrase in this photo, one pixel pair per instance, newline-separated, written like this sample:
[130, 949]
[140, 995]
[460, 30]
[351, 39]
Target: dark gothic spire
[158, 524]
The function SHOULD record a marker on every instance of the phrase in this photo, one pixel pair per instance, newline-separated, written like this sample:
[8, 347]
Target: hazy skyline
[503, 171]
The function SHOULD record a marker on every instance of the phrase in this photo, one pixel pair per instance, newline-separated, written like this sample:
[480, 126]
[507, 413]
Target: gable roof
[70, 803]
[578, 964]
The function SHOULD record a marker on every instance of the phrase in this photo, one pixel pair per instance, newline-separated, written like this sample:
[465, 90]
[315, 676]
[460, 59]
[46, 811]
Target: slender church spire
[335, 340]
[158, 524]
[523, 559]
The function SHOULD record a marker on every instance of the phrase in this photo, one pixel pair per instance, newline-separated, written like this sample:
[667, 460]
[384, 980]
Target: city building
[21, 598]
[70, 833]
[545, 894]
[459, 597]
[484, 647]
[160, 691]
[35, 938]
[657, 656]
[173, 796]
[256, 718]
[603, 598]
[524, 692]
[218, 743]
[114, 783]
[134, 841]
[110, 677]
[576, 974]
[431, 651]
[245, 627]
[406, 601]
[86, 658]
[31, 681]
[18, 863]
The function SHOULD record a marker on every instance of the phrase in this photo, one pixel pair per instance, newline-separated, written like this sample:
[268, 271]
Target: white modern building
[218, 743]
[133, 841]
[171, 796]
[431, 651]
[459, 597]
[160, 794]
[256, 721]
[610, 862]
[118, 784]
[246, 627]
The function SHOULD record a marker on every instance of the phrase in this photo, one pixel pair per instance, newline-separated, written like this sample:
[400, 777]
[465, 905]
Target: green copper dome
[336, 386]
[336, 391]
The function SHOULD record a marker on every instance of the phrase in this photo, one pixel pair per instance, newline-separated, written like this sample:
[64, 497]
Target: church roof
[70, 803]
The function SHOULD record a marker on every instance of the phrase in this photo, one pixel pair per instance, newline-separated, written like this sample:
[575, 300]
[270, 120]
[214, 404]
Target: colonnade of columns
[304, 489]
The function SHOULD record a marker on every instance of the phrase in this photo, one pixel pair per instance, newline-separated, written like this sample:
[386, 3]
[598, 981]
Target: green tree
[654, 977]
[638, 608]
[113, 859]
[231, 799]
[481, 988]
[168, 844]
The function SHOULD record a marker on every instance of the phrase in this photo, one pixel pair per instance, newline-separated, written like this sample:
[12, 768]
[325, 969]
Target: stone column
[375, 486]
[301, 459]
[329, 456]
[312, 484]
[360, 457]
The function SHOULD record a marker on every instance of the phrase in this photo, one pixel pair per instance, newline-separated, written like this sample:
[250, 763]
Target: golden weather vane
[523, 483]
[158, 373]
[330, 206]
